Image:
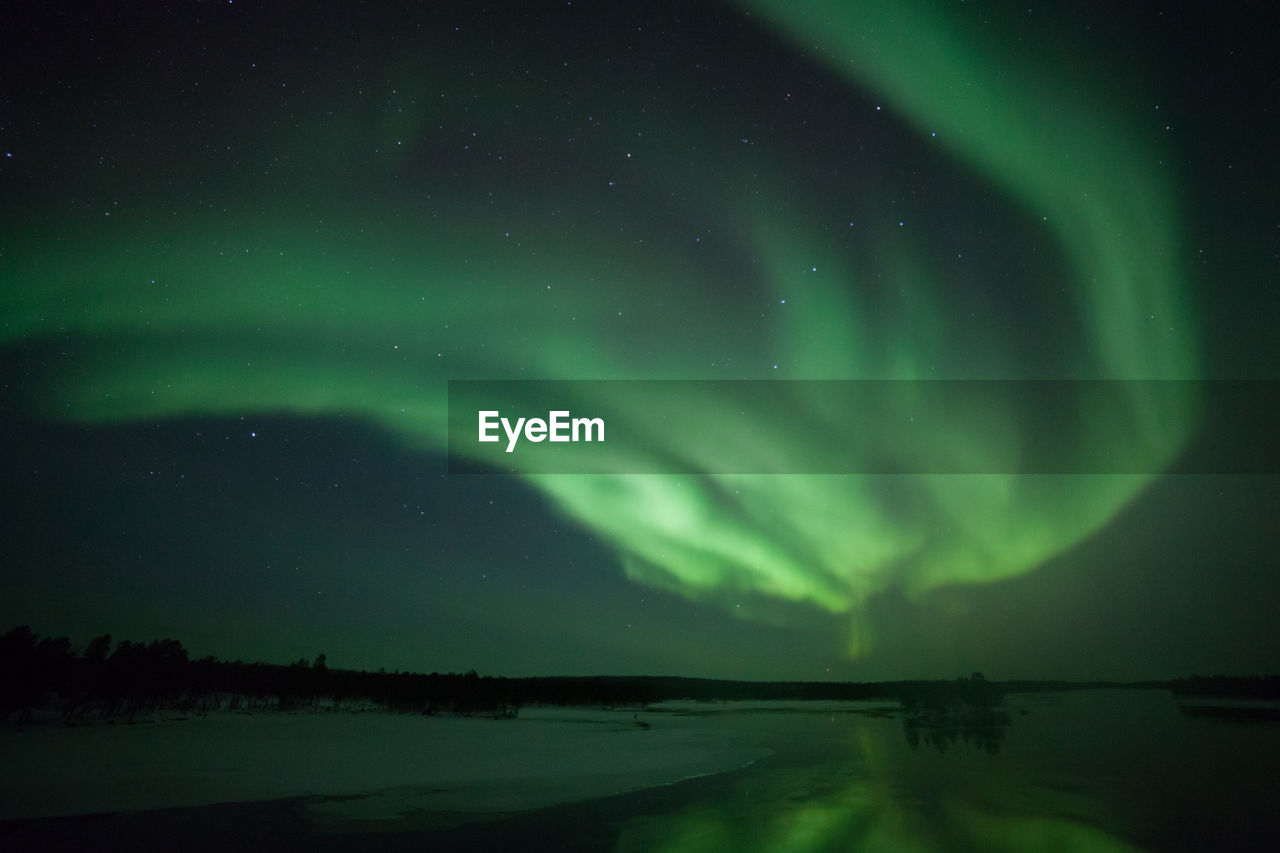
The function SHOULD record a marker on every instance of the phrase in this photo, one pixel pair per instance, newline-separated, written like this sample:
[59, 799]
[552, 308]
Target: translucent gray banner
[1009, 427]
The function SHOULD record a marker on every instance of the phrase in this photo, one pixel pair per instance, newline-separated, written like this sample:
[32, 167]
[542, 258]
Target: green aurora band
[290, 303]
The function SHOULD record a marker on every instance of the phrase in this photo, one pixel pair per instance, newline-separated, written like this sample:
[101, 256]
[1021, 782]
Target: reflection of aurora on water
[825, 809]
[866, 794]
[859, 816]
[281, 302]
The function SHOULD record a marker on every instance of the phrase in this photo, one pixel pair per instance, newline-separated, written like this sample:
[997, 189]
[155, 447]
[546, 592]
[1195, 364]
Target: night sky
[244, 246]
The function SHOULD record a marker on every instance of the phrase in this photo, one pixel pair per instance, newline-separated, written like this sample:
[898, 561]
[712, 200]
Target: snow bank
[366, 766]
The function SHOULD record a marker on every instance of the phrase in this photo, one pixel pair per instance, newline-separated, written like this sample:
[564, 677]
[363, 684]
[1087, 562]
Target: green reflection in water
[864, 793]
[858, 816]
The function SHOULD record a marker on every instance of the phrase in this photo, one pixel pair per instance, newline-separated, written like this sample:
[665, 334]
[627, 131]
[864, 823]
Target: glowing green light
[207, 314]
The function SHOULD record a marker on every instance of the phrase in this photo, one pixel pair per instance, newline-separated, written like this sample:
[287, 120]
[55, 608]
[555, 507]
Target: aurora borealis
[247, 249]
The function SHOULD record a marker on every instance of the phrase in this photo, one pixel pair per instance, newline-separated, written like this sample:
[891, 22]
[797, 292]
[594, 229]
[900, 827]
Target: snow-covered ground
[393, 765]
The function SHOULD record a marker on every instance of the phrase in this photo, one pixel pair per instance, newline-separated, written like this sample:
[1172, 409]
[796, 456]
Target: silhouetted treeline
[646, 689]
[1061, 686]
[1228, 686]
[143, 677]
[48, 674]
[133, 677]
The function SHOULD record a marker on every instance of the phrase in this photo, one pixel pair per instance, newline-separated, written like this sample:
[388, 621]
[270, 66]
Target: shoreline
[284, 824]
[358, 768]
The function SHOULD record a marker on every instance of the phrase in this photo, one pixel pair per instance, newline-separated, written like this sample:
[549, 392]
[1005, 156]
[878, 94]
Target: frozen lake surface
[399, 763]
[1089, 771]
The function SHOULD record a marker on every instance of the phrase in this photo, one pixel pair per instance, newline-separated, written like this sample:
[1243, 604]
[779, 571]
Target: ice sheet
[398, 764]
